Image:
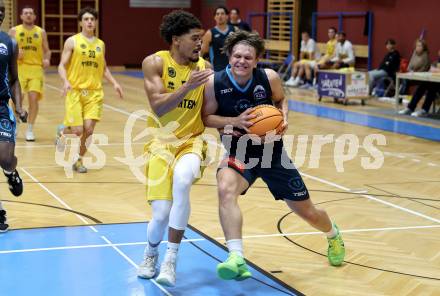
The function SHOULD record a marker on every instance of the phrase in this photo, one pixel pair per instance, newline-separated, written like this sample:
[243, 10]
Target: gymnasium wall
[133, 33]
[402, 20]
[130, 34]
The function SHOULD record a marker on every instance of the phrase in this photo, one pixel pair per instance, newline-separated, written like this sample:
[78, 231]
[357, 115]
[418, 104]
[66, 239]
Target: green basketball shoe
[234, 268]
[336, 249]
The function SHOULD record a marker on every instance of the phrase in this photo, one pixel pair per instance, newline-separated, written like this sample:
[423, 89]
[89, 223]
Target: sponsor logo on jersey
[242, 105]
[187, 104]
[3, 49]
[225, 91]
[259, 93]
[6, 125]
[296, 184]
[171, 72]
[98, 49]
[83, 46]
[21, 34]
[5, 134]
[36, 35]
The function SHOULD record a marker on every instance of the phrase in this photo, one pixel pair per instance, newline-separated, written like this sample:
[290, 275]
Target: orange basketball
[268, 118]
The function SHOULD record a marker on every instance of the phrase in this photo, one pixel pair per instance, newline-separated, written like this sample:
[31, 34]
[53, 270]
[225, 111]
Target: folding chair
[284, 70]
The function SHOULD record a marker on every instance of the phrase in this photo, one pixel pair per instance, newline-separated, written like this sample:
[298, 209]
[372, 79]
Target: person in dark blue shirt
[214, 39]
[235, 20]
[9, 89]
[230, 96]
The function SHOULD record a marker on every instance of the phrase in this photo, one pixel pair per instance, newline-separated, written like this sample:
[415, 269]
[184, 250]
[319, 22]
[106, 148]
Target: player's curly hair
[177, 23]
[252, 39]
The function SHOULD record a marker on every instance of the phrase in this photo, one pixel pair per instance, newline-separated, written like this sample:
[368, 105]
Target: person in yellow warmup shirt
[174, 81]
[33, 56]
[82, 68]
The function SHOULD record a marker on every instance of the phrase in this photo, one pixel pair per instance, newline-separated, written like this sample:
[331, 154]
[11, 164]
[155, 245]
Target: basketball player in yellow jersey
[34, 54]
[82, 68]
[174, 82]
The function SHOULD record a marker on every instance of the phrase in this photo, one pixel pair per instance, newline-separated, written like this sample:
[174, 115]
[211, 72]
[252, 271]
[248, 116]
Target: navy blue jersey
[6, 56]
[242, 26]
[233, 99]
[218, 59]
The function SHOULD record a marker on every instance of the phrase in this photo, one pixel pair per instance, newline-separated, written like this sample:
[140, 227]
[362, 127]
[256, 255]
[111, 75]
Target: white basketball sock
[171, 254]
[333, 232]
[235, 245]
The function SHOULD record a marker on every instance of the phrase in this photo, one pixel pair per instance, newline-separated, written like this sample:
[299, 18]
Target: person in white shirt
[344, 55]
[309, 52]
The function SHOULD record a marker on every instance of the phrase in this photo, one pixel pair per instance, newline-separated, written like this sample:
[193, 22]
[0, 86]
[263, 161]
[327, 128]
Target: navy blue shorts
[283, 181]
[7, 124]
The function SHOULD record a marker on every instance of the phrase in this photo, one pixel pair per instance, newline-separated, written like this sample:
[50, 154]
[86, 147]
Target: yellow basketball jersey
[31, 44]
[188, 113]
[330, 47]
[86, 67]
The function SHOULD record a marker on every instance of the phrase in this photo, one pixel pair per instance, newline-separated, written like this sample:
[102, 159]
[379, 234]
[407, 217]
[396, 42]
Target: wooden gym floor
[390, 216]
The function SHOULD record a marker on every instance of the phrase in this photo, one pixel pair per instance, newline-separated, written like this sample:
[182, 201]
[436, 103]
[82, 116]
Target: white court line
[218, 238]
[96, 144]
[91, 227]
[372, 198]
[105, 105]
[54, 195]
[328, 182]
[133, 264]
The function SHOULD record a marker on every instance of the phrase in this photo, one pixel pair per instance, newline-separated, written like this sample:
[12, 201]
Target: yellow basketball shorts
[31, 78]
[83, 104]
[161, 161]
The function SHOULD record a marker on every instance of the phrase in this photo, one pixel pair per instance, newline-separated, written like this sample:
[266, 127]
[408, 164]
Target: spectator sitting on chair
[330, 47]
[429, 89]
[419, 62]
[235, 20]
[388, 67]
[308, 53]
[344, 54]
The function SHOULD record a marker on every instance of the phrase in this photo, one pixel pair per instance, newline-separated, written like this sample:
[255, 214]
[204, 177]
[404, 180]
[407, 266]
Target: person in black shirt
[214, 39]
[388, 67]
[230, 96]
[235, 20]
[9, 89]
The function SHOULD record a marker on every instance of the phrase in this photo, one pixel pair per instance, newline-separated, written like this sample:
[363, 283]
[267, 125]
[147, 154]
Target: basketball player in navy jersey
[214, 39]
[229, 98]
[9, 89]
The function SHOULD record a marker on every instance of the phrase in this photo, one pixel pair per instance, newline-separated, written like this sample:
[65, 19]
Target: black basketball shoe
[15, 183]
[3, 221]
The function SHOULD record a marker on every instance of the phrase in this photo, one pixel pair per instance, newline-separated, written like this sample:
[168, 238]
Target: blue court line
[135, 74]
[382, 123]
[95, 268]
